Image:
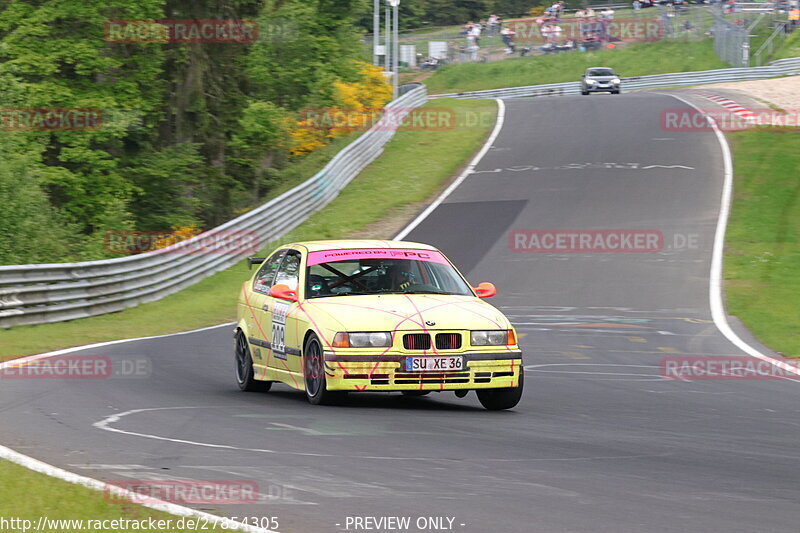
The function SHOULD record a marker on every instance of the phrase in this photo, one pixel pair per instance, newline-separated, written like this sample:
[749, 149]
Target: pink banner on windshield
[329, 256]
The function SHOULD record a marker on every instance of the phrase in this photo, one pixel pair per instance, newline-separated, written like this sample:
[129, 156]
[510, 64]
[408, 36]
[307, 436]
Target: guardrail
[37, 294]
[781, 67]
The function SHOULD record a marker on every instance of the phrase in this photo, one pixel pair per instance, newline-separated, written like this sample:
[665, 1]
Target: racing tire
[615, 92]
[499, 399]
[316, 386]
[585, 93]
[245, 375]
[415, 393]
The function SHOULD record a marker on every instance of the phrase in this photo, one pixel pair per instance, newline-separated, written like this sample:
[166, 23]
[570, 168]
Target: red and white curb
[730, 105]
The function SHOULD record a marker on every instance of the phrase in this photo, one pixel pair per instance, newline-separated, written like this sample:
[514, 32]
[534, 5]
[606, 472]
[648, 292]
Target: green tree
[297, 66]
[31, 230]
[56, 53]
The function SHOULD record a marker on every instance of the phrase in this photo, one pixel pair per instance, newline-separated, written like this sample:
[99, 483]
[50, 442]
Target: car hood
[399, 312]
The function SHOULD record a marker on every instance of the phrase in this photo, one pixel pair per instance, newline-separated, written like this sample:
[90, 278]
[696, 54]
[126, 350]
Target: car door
[284, 325]
[259, 319]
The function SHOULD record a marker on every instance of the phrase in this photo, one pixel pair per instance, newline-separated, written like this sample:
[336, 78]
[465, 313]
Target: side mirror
[254, 261]
[283, 292]
[485, 290]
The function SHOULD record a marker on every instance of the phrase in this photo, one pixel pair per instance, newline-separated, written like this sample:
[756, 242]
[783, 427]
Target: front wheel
[245, 375]
[314, 375]
[585, 93]
[499, 399]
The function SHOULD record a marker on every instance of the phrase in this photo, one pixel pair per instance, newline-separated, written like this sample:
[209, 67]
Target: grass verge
[762, 260]
[790, 47]
[634, 60]
[27, 495]
[413, 166]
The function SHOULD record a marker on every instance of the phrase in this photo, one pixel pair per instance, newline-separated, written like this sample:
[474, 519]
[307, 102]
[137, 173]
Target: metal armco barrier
[37, 294]
[781, 67]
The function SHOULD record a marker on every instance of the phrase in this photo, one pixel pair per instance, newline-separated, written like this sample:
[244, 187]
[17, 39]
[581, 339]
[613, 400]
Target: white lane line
[118, 492]
[501, 113]
[715, 281]
[90, 483]
[106, 425]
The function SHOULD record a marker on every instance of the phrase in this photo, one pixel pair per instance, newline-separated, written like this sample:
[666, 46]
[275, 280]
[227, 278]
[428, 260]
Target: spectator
[493, 19]
[590, 13]
[547, 33]
[475, 33]
[473, 51]
[507, 34]
[637, 5]
[794, 16]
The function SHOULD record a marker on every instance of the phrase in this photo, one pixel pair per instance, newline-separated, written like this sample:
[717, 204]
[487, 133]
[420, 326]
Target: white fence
[36, 294]
[781, 67]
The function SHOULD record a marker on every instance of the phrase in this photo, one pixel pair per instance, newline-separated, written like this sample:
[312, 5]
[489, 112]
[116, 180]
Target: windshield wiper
[424, 291]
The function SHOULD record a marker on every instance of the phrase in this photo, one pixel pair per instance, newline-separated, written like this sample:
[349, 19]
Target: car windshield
[354, 275]
[601, 72]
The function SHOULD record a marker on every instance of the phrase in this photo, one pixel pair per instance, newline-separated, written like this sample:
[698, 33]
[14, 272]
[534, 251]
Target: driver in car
[397, 279]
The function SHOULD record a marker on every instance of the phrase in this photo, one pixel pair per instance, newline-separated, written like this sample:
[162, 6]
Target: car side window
[289, 271]
[263, 280]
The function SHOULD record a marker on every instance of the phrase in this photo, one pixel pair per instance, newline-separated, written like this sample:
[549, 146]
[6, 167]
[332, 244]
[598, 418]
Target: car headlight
[591, 82]
[615, 81]
[492, 337]
[373, 339]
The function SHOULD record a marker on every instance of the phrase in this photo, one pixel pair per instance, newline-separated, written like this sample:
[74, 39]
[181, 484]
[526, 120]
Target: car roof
[592, 68]
[342, 244]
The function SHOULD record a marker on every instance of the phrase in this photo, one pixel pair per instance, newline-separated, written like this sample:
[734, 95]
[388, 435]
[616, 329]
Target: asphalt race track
[600, 442]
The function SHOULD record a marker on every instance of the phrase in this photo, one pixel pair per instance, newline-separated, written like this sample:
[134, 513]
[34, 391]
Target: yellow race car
[332, 317]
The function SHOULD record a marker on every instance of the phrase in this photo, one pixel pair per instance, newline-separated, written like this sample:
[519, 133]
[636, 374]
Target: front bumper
[604, 89]
[491, 370]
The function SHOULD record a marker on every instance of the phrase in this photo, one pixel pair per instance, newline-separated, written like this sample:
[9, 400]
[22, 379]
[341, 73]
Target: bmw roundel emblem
[430, 323]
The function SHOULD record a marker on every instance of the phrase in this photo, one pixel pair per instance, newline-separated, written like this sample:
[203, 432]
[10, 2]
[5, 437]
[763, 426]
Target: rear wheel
[585, 93]
[499, 399]
[245, 375]
[314, 375]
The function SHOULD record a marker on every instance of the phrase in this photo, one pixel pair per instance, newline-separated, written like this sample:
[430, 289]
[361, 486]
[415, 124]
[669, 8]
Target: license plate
[435, 364]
